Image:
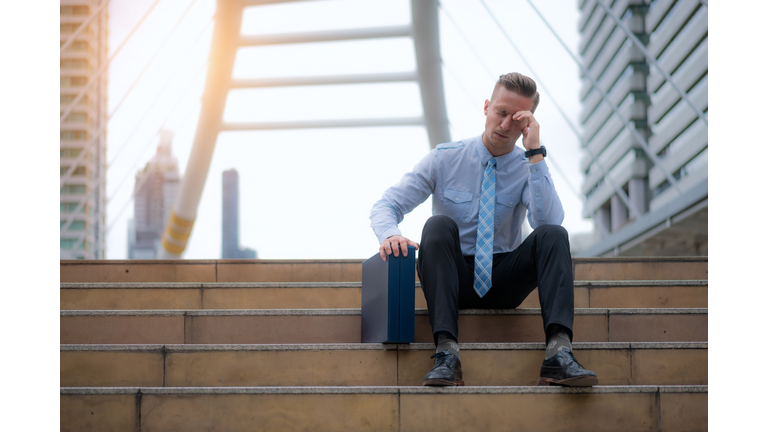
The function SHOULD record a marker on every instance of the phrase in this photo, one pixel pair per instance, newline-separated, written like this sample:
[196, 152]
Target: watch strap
[541, 150]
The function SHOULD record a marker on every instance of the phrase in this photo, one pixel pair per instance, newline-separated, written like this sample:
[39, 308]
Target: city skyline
[254, 154]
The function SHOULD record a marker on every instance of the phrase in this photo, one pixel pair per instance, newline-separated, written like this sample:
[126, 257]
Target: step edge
[397, 390]
[355, 311]
[471, 346]
[355, 285]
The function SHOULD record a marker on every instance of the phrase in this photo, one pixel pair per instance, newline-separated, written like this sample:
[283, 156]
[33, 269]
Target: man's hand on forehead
[530, 130]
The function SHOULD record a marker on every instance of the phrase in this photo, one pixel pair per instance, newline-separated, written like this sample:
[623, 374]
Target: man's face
[501, 131]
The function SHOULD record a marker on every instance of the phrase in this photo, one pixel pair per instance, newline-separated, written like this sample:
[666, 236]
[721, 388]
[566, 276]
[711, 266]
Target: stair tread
[187, 285]
[385, 390]
[356, 311]
[375, 347]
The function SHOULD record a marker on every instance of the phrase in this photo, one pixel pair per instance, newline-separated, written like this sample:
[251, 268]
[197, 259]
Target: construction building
[644, 120]
[83, 101]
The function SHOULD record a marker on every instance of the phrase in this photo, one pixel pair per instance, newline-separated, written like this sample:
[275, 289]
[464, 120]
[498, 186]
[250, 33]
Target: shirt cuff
[538, 169]
[388, 233]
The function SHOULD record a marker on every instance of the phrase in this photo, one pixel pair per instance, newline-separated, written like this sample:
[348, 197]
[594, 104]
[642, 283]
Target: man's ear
[485, 106]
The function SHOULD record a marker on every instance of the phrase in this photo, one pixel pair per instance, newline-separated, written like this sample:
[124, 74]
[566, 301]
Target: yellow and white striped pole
[226, 37]
[176, 234]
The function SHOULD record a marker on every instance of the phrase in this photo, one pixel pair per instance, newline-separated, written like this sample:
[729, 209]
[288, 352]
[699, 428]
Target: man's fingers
[404, 246]
[395, 245]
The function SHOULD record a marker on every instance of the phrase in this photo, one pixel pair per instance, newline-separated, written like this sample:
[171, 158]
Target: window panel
[67, 99]
[76, 118]
[70, 152]
[68, 243]
[79, 171]
[73, 64]
[73, 135]
[73, 190]
[70, 207]
[73, 81]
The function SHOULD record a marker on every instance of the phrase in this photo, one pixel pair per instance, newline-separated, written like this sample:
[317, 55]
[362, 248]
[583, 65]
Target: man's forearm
[545, 205]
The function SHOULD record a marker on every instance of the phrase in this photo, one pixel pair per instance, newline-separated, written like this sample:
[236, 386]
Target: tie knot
[491, 162]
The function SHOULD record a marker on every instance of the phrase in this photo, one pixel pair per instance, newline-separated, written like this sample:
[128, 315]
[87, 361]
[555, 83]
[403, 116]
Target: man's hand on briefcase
[391, 245]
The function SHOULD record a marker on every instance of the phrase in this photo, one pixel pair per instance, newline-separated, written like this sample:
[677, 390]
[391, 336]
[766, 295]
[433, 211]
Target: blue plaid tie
[485, 220]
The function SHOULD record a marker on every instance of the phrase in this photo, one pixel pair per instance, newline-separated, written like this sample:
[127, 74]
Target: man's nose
[506, 124]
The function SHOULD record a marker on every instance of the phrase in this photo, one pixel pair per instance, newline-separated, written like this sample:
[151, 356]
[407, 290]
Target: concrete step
[314, 295]
[601, 408]
[505, 364]
[289, 326]
[630, 268]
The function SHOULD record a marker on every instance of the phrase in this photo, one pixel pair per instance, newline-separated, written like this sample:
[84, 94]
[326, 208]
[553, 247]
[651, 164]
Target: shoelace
[570, 353]
[441, 356]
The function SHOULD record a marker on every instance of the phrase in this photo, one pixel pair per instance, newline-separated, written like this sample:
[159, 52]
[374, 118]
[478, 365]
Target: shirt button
[534, 170]
[537, 194]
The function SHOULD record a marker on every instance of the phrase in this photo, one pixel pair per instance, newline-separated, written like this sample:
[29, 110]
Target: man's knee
[439, 228]
[552, 234]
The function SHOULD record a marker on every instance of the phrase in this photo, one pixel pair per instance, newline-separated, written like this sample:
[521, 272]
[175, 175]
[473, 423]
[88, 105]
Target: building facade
[645, 162]
[156, 189]
[83, 95]
[230, 218]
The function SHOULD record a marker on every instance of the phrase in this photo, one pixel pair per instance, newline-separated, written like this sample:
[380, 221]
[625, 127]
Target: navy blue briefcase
[388, 307]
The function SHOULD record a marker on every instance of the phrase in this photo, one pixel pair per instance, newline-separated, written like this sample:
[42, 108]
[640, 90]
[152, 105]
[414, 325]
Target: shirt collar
[484, 155]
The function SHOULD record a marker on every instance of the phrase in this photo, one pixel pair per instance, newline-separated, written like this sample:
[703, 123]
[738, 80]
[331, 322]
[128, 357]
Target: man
[472, 254]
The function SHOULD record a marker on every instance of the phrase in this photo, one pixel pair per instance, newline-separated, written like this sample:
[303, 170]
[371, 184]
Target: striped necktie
[485, 222]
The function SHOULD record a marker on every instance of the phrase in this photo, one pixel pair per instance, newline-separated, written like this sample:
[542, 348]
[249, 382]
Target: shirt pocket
[457, 204]
[505, 205]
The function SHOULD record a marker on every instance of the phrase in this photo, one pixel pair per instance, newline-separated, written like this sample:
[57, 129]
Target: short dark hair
[520, 84]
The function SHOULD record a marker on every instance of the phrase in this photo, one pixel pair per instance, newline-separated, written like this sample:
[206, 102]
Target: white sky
[30, 110]
[308, 193]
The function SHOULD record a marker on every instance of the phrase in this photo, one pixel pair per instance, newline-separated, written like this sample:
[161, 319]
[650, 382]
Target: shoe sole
[442, 383]
[569, 382]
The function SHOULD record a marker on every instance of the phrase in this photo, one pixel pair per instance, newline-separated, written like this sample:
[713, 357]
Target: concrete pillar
[619, 213]
[638, 194]
[603, 221]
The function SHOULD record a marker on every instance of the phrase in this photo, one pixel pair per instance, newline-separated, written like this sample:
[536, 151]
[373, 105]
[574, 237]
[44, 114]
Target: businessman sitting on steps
[472, 255]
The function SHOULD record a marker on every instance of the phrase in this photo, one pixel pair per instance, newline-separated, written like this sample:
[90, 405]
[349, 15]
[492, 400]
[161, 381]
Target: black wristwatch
[541, 150]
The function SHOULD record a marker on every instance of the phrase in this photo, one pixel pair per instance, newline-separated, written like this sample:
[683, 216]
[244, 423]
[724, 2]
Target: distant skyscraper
[155, 192]
[82, 141]
[230, 218]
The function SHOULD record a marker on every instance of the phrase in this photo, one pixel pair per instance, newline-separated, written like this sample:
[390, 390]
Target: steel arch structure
[226, 41]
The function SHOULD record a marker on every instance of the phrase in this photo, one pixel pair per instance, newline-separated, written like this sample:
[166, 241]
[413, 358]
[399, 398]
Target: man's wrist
[536, 151]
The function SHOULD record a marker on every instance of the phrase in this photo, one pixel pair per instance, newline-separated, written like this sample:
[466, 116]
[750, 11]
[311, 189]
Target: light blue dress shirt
[453, 173]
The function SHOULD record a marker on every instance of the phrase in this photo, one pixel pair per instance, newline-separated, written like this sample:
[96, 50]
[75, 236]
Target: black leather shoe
[563, 369]
[446, 372]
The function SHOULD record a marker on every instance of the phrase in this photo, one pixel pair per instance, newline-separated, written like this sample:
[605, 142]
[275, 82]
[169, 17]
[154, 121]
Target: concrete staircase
[274, 345]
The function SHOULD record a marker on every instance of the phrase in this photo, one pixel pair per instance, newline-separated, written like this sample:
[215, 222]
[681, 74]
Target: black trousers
[447, 277]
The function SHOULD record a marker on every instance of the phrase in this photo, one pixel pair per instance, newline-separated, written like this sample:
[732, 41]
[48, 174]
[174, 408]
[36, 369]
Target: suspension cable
[133, 195]
[102, 176]
[83, 26]
[636, 42]
[643, 141]
[194, 80]
[103, 126]
[619, 191]
[466, 40]
[104, 65]
[580, 196]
